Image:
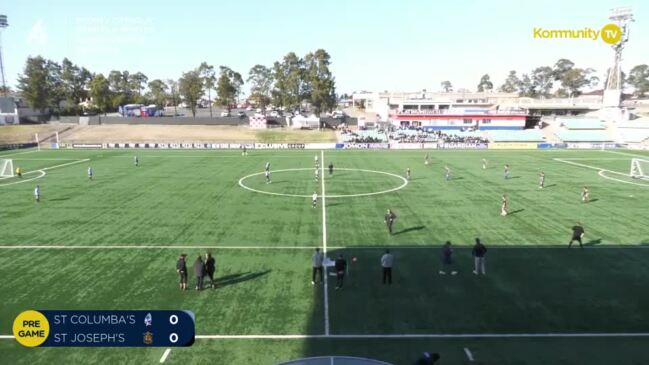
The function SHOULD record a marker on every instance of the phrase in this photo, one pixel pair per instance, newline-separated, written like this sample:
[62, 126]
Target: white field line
[164, 356]
[601, 171]
[65, 164]
[43, 173]
[378, 247]
[17, 153]
[324, 245]
[468, 353]
[45, 159]
[417, 335]
[627, 154]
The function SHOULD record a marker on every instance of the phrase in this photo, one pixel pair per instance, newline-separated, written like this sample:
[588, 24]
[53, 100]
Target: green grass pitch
[111, 243]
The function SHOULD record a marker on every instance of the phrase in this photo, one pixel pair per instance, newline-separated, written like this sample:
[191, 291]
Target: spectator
[181, 269]
[341, 267]
[387, 261]
[316, 261]
[447, 259]
[479, 252]
[199, 272]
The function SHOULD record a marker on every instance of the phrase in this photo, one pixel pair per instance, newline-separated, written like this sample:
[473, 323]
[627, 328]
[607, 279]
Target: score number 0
[173, 337]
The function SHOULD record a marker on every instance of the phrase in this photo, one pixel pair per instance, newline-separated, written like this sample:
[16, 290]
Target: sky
[375, 45]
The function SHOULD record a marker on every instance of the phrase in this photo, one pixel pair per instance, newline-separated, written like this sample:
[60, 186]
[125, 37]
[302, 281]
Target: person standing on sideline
[387, 262]
[316, 262]
[210, 268]
[37, 193]
[447, 259]
[136, 161]
[341, 268]
[199, 272]
[577, 234]
[331, 168]
[244, 152]
[389, 219]
[89, 173]
[181, 269]
[479, 252]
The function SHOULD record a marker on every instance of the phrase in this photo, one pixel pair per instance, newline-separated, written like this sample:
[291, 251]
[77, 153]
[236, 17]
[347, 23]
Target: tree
[446, 86]
[75, 83]
[55, 85]
[191, 88]
[575, 79]
[158, 91]
[542, 78]
[526, 86]
[228, 86]
[209, 78]
[485, 83]
[33, 83]
[173, 93]
[100, 93]
[319, 81]
[137, 82]
[561, 68]
[288, 76]
[120, 88]
[261, 79]
[639, 79]
[512, 83]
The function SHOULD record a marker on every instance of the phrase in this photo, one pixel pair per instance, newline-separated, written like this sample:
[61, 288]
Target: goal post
[639, 168]
[6, 168]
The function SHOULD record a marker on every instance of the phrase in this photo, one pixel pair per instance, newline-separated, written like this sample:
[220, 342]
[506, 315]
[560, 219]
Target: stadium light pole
[622, 16]
[3, 25]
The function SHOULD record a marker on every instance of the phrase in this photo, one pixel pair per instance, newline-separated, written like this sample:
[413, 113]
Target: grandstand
[363, 136]
[581, 123]
[583, 136]
[526, 135]
[634, 131]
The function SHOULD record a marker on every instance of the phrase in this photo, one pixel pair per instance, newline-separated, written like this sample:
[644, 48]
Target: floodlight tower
[622, 16]
[3, 25]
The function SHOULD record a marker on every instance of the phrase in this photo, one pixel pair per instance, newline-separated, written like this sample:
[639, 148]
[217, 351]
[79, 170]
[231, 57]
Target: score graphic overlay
[138, 328]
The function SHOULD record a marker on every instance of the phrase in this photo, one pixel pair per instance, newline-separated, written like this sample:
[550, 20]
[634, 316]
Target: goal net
[639, 168]
[6, 168]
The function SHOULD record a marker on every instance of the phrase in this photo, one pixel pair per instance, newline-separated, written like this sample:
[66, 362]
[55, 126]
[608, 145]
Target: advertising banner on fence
[87, 145]
[512, 146]
[406, 146]
[363, 146]
[459, 146]
[320, 146]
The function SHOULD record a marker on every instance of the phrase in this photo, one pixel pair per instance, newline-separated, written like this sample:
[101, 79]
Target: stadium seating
[581, 123]
[369, 134]
[634, 135]
[527, 135]
[583, 136]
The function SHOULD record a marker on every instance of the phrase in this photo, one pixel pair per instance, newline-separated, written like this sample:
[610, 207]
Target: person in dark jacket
[577, 234]
[331, 168]
[447, 259]
[199, 272]
[210, 268]
[341, 267]
[479, 252]
[181, 269]
[389, 219]
[316, 263]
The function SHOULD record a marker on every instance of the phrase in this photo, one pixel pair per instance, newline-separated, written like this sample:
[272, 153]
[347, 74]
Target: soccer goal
[639, 168]
[6, 168]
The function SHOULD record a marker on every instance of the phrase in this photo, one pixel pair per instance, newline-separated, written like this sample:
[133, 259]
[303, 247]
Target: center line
[324, 245]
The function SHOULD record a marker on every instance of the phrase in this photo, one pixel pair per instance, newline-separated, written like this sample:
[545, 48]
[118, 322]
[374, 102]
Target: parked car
[274, 114]
[258, 110]
[337, 114]
[241, 114]
[225, 113]
[249, 108]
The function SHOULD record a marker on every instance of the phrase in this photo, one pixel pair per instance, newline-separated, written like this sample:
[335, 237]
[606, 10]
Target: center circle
[403, 185]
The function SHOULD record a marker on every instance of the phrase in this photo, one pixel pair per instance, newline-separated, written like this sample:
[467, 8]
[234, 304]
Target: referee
[387, 261]
[577, 234]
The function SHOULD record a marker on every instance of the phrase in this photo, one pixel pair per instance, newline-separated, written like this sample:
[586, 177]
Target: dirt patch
[26, 133]
[190, 133]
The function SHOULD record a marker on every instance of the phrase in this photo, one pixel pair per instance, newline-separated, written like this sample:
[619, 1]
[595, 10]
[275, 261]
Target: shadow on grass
[593, 200]
[58, 199]
[513, 177]
[593, 242]
[457, 178]
[516, 211]
[233, 279]
[409, 229]
[549, 186]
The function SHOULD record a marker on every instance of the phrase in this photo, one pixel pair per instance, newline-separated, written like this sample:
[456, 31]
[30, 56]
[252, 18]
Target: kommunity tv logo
[610, 33]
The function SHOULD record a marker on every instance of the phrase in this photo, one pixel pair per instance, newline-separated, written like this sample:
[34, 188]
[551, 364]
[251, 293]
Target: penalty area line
[165, 355]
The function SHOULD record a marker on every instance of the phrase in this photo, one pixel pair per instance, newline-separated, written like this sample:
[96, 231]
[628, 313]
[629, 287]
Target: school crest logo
[148, 338]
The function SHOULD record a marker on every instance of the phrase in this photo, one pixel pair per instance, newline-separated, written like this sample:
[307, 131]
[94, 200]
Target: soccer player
[447, 172]
[484, 164]
[506, 171]
[408, 173]
[541, 180]
[317, 164]
[199, 272]
[181, 269]
[389, 219]
[314, 199]
[244, 152]
[136, 161]
[426, 159]
[577, 234]
[331, 168]
[37, 193]
[267, 173]
[585, 195]
[89, 173]
[447, 259]
[387, 261]
[210, 268]
[316, 262]
[479, 252]
[267, 168]
[19, 172]
[504, 207]
[317, 174]
[341, 267]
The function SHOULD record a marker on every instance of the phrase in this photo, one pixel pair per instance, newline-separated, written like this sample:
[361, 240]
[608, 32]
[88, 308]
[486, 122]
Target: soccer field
[112, 243]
